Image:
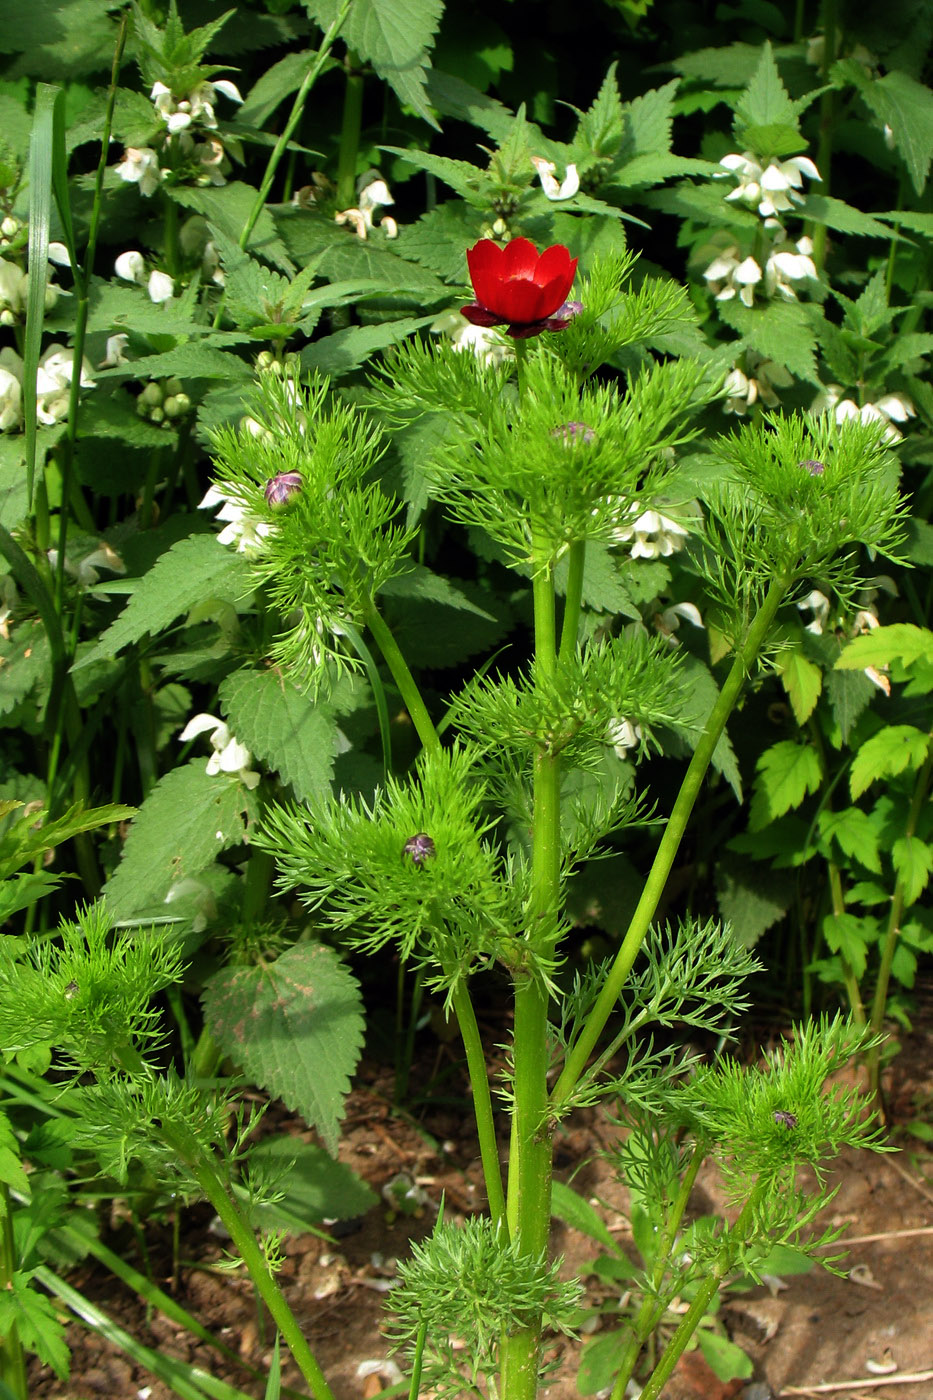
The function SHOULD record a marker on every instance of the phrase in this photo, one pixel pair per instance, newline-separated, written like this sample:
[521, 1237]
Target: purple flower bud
[573, 432]
[781, 1115]
[278, 490]
[814, 468]
[419, 847]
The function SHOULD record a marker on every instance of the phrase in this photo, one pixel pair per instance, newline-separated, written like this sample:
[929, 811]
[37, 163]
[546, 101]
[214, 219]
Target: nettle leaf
[700, 695]
[295, 1026]
[602, 127]
[731, 66]
[293, 735]
[439, 237]
[913, 861]
[347, 349]
[835, 214]
[849, 694]
[395, 36]
[228, 208]
[648, 121]
[886, 754]
[313, 1186]
[189, 817]
[901, 641]
[38, 1325]
[782, 332]
[454, 96]
[787, 772]
[855, 833]
[194, 570]
[803, 682]
[849, 935]
[188, 361]
[439, 622]
[766, 102]
[901, 103]
[751, 897]
[277, 83]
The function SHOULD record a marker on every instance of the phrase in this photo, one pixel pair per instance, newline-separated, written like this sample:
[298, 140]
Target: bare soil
[859, 1337]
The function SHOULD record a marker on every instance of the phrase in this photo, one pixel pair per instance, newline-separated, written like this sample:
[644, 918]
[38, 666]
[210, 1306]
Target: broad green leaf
[314, 1187]
[904, 105]
[731, 66]
[849, 694]
[802, 680]
[395, 36]
[292, 734]
[602, 127]
[648, 121]
[188, 361]
[23, 890]
[849, 935]
[56, 40]
[24, 664]
[346, 350]
[886, 754]
[823, 209]
[787, 772]
[295, 1026]
[765, 101]
[456, 97]
[194, 570]
[605, 586]
[12, 1172]
[189, 817]
[24, 840]
[751, 897]
[277, 83]
[913, 861]
[439, 237]
[599, 1362]
[229, 208]
[725, 1359]
[570, 1207]
[855, 833]
[782, 332]
[438, 623]
[38, 1325]
[902, 641]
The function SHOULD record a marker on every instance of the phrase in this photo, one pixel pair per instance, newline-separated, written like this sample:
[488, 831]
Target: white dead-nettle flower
[729, 276]
[131, 266]
[482, 341]
[655, 536]
[212, 160]
[758, 385]
[179, 113]
[547, 174]
[53, 383]
[11, 390]
[14, 285]
[889, 409]
[229, 756]
[623, 735]
[58, 254]
[201, 896]
[866, 620]
[140, 166]
[115, 356]
[160, 287]
[8, 600]
[85, 571]
[9, 228]
[241, 528]
[774, 188]
[816, 603]
[668, 621]
[373, 196]
[789, 263]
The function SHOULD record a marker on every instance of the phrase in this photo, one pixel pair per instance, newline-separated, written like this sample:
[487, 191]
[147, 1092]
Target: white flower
[668, 621]
[58, 253]
[13, 289]
[789, 263]
[140, 166]
[623, 735]
[53, 383]
[483, 341]
[242, 529]
[743, 390]
[11, 390]
[202, 99]
[774, 188]
[655, 535]
[890, 408]
[160, 287]
[116, 345]
[546, 174]
[131, 266]
[818, 604]
[202, 898]
[212, 158]
[8, 600]
[229, 756]
[84, 571]
[729, 276]
[374, 195]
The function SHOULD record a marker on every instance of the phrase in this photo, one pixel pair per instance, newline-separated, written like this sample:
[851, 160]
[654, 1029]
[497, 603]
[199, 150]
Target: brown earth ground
[859, 1337]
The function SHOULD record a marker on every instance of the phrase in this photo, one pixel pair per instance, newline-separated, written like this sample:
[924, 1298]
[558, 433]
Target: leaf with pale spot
[295, 1026]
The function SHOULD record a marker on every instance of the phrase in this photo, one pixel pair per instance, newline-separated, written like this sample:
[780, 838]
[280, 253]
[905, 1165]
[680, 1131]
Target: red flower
[520, 288]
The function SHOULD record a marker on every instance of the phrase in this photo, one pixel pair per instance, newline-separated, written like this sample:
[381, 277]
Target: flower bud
[572, 433]
[278, 490]
[814, 468]
[420, 848]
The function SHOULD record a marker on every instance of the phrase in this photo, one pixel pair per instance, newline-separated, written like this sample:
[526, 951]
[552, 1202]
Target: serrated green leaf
[731, 66]
[782, 332]
[886, 754]
[604, 580]
[189, 817]
[439, 237]
[787, 772]
[823, 209]
[602, 127]
[12, 1172]
[188, 361]
[701, 693]
[346, 350]
[849, 694]
[904, 105]
[314, 1187]
[803, 682]
[294, 736]
[750, 897]
[855, 833]
[295, 1026]
[277, 83]
[901, 641]
[849, 935]
[395, 36]
[766, 101]
[913, 861]
[38, 1326]
[195, 569]
[599, 1361]
[229, 208]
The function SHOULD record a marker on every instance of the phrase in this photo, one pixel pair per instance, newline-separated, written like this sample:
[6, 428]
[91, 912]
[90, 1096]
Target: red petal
[520, 259]
[479, 316]
[485, 261]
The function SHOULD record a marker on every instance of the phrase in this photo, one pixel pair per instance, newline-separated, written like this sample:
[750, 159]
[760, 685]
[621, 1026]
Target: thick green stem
[880, 1000]
[12, 1358]
[403, 678]
[350, 133]
[647, 1317]
[246, 1245]
[580, 1052]
[573, 601]
[482, 1102]
[294, 117]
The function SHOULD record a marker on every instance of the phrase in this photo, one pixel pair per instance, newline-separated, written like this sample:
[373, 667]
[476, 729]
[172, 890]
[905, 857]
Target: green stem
[828, 101]
[837, 893]
[482, 1101]
[12, 1358]
[350, 133]
[573, 601]
[403, 677]
[670, 843]
[880, 1000]
[294, 117]
[246, 1245]
[647, 1317]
